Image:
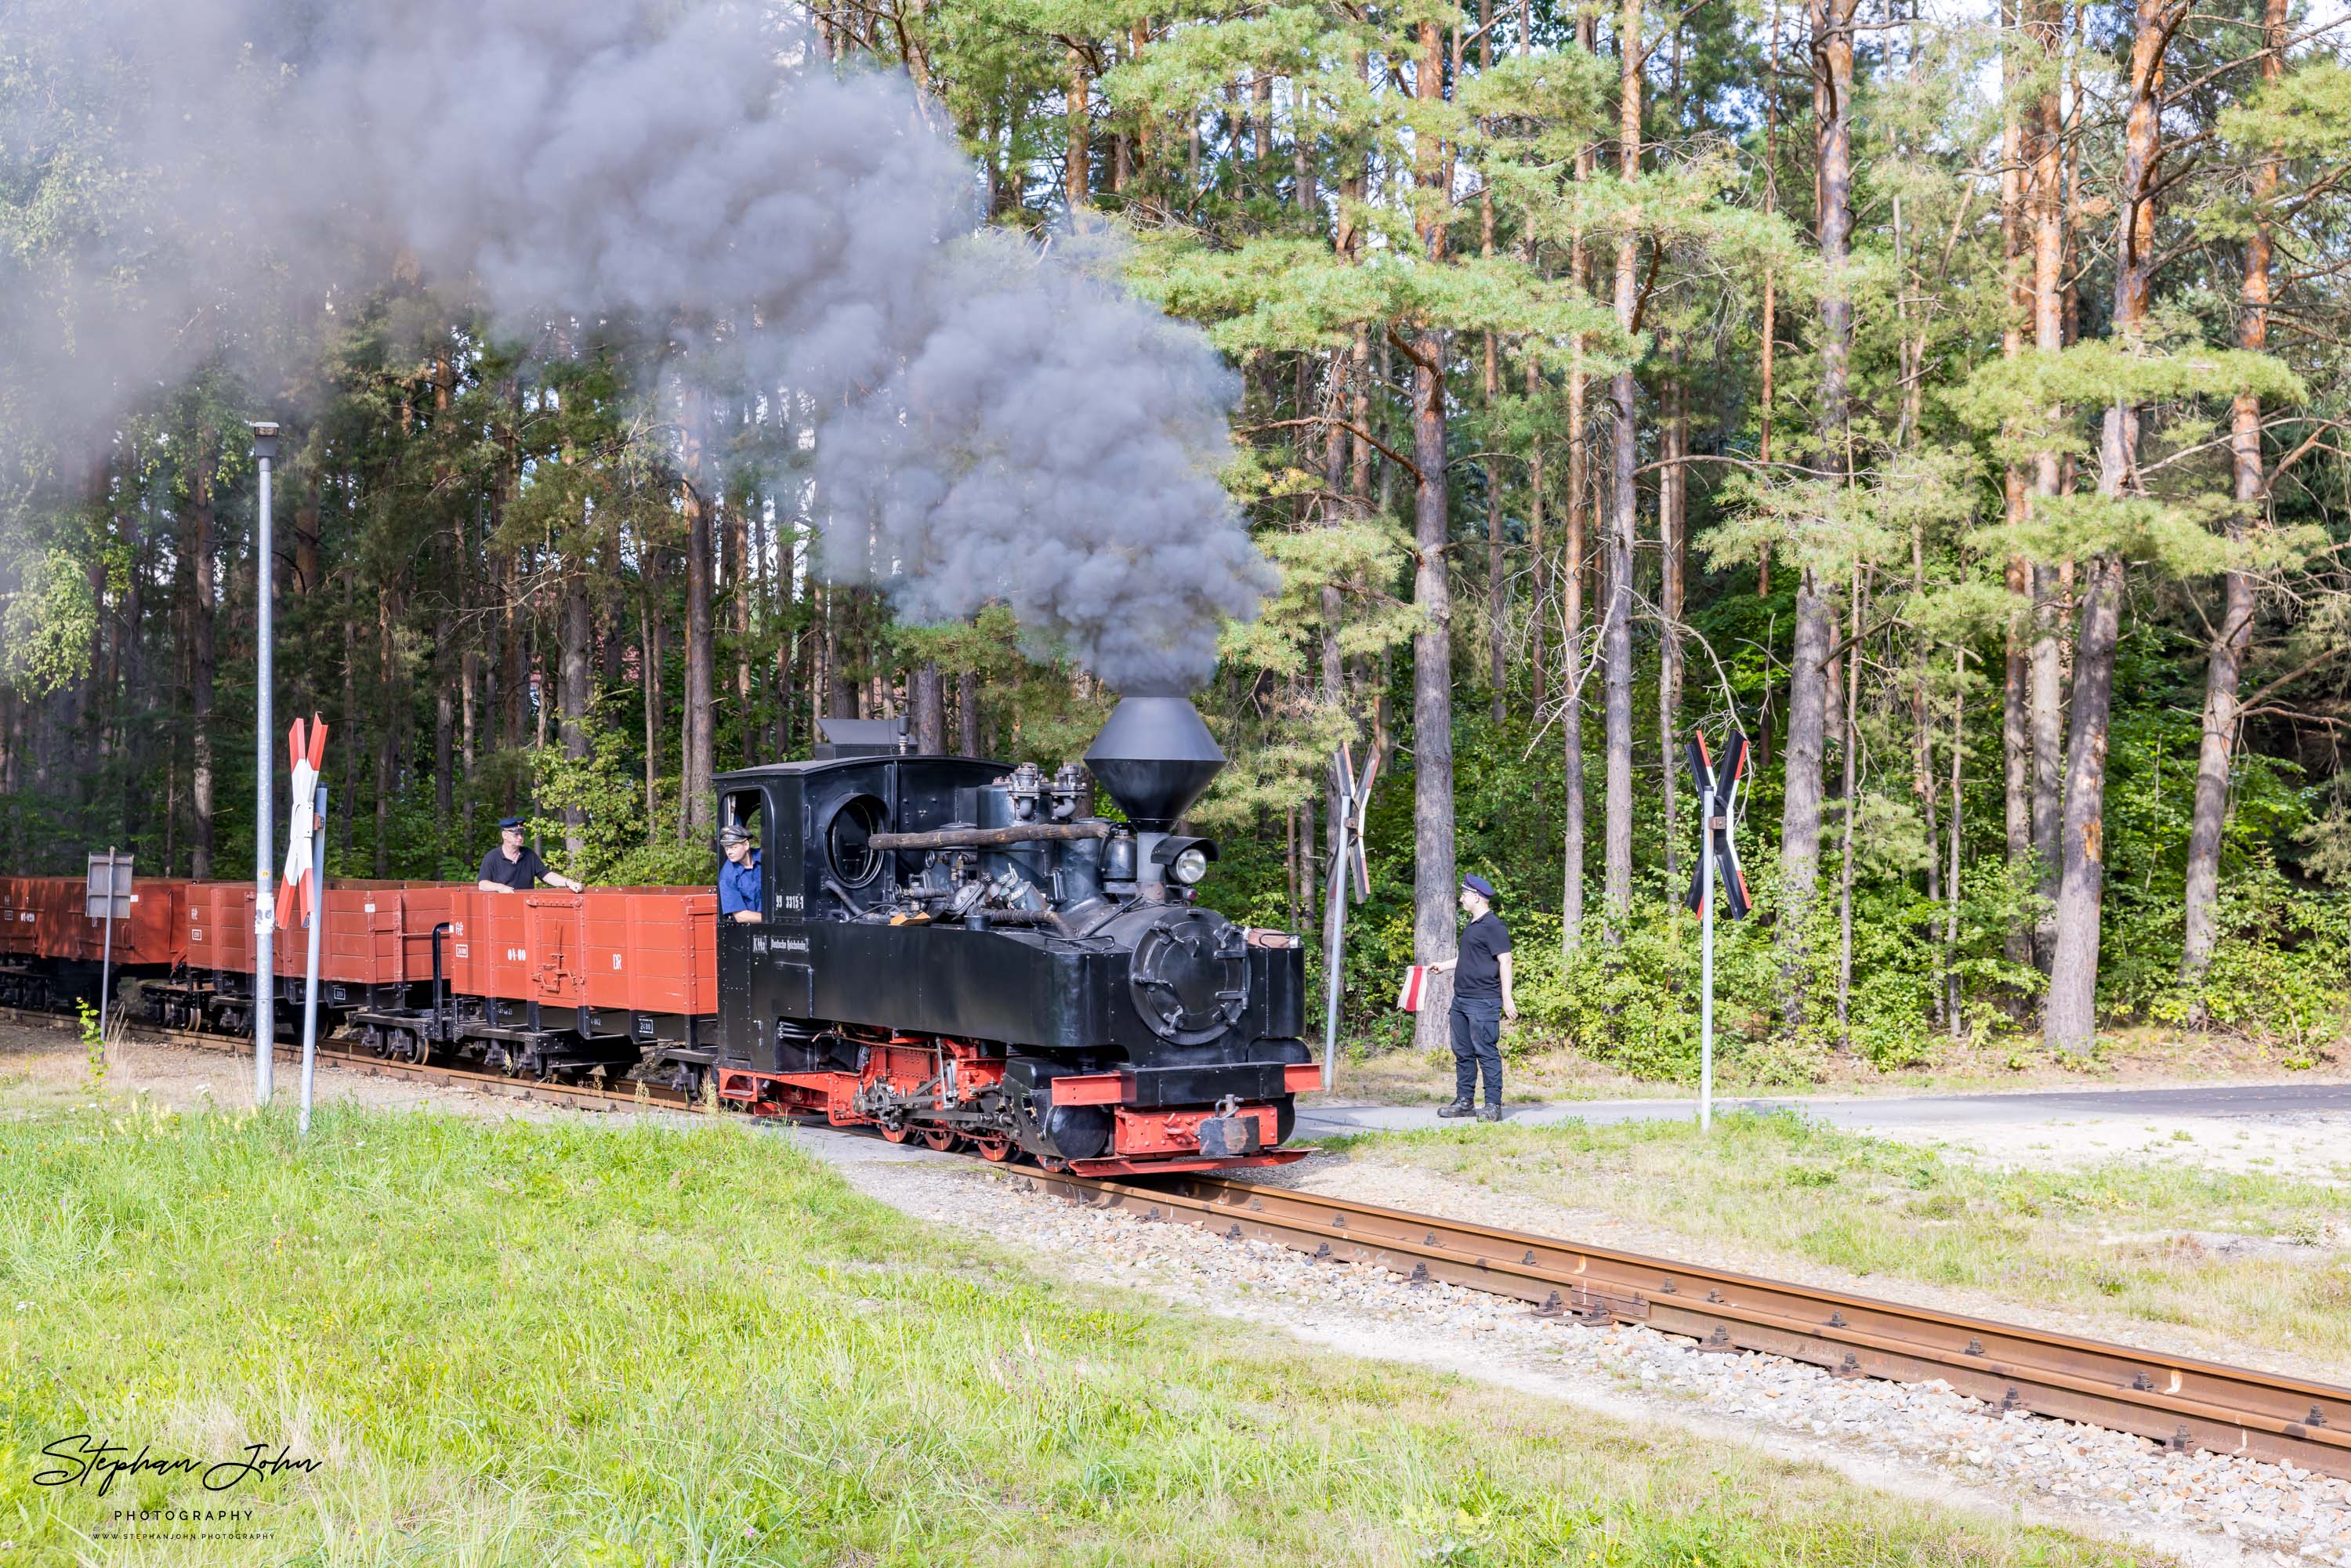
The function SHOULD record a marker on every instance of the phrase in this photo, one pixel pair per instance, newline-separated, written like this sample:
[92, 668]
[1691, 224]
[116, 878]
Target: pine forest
[1950, 401]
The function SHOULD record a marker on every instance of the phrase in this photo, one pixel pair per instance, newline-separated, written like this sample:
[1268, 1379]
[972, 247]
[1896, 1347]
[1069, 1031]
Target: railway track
[578, 1096]
[2180, 1401]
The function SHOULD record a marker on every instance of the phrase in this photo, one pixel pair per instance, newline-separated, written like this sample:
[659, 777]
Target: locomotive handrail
[990, 838]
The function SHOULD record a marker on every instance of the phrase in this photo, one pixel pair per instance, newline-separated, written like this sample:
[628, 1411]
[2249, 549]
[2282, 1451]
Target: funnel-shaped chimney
[1154, 757]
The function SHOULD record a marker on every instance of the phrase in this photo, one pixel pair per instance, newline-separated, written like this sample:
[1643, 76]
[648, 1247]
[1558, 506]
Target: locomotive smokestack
[1154, 757]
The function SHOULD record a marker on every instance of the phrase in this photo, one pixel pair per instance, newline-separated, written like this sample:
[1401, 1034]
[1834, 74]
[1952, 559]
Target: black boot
[1490, 1113]
[1459, 1108]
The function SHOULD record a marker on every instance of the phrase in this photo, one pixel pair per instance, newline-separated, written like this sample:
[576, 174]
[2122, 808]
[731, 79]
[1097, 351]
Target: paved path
[1956, 1111]
[2085, 1108]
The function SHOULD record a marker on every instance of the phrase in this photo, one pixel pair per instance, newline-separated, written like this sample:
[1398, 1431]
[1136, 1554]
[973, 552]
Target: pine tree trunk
[348, 735]
[1952, 1013]
[2234, 634]
[579, 639]
[2070, 1021]
[2016, 711]
[649, 654]
[444, 726]
[1673, 545]
[1432, 663]
[739, 583]
[930, 704]
[1497, 583]
[387, 731]
[1537, 547]
[1846, 744]
[700, 755]
[967, 710]
[1800, 810]
[2044, 147]
[469, 674]
[1570, 580]
[1800, 815]
[1077, 165]
[1616, 619]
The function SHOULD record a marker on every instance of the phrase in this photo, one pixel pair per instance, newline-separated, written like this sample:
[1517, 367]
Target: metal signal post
[1717, 790]
[265, 827]
[1350, 797]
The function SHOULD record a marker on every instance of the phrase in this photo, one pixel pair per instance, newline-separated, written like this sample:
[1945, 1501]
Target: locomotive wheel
[897, 1131]
[941, 1138]
[1050, 1164]
[996, 1151]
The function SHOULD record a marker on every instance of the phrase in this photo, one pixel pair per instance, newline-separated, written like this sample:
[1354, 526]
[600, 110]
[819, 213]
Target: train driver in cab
[515, 867]
[738, 878]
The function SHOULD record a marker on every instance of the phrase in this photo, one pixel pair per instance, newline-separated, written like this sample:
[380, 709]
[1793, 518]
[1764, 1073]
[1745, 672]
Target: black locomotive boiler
[964, 953]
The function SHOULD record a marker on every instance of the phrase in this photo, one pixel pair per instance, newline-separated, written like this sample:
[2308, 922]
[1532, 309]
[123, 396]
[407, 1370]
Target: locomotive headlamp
[1187, 859]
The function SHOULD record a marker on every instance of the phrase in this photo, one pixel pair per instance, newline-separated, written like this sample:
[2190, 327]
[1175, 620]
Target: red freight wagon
[535, 979]
[220, 928]
[376, 944]
[48, 918]
[17, 918]
[654, 949]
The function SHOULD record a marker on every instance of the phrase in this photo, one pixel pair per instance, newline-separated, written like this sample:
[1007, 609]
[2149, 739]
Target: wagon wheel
[424, 1049]
[996, 1151]
[941, 1138]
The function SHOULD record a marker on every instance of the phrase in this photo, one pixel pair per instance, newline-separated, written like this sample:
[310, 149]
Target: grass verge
[2138, 1239]
[1381, 1066]
[574, 1344]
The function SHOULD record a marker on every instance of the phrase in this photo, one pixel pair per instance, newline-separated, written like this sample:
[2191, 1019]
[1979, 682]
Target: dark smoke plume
[999, 423]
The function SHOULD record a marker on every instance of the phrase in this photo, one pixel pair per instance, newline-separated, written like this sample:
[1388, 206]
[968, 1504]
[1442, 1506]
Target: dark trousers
[1477, 1040]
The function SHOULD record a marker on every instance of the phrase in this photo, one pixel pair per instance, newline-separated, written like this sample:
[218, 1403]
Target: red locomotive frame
[914, 1088]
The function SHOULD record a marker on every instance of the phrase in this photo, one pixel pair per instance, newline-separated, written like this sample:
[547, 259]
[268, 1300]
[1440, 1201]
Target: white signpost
[301, 889]
[1350, 797]
[1717, 793]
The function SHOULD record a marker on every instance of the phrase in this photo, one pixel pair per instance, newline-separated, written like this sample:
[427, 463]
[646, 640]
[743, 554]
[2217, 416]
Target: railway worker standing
[738, 879]
[1481, 1001]
[514, 867]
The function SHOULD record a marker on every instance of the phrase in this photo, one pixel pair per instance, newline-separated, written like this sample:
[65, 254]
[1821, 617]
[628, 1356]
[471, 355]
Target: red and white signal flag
[1416, 988]
[307, 748]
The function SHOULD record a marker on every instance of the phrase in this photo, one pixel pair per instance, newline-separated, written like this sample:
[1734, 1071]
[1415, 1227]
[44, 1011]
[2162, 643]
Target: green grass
[580, 1344]
[2114, 1238]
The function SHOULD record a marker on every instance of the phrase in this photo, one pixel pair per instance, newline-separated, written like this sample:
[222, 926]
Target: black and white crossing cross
[1718, 780]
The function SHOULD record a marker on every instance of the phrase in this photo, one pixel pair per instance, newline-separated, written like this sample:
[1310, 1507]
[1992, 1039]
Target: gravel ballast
[1919, 1438]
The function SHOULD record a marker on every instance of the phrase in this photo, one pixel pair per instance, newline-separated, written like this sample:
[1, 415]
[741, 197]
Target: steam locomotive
[945, 949]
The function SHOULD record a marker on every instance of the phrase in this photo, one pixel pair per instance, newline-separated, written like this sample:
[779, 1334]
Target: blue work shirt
[739, 886]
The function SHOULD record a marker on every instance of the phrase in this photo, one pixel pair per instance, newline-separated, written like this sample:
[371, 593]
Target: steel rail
[2180, 1401]
[578, 1096]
